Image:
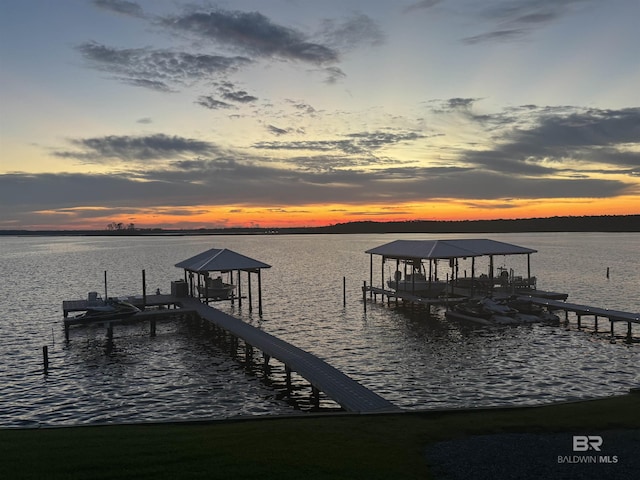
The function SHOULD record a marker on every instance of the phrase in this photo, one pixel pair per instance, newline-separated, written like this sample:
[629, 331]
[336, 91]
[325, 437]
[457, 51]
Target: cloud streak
[513, 20]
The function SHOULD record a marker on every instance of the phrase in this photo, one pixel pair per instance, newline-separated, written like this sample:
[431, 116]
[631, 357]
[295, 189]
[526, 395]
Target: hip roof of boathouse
[220, 260]
[433, 249]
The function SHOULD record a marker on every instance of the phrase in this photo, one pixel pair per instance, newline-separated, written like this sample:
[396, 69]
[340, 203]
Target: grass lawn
[306, 447]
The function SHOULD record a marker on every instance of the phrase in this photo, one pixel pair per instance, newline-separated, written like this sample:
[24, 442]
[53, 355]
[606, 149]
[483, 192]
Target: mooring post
[110, 332]
[45, 358]
[344, 291]
[66, 331]
[596, 324]
[153, 327]
[629, 337]
[105, 286]
[364, 295]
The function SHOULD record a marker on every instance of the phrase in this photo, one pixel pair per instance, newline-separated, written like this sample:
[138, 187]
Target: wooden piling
[259, 293]
[315, 397]
[249, 288]
[287, 374]
[144, 290]
[364, 295]
[153, 327]
[344, 291]
[45, 358]
[265, 364]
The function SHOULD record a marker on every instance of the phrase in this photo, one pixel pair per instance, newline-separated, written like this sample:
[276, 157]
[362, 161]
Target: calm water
[410, 358]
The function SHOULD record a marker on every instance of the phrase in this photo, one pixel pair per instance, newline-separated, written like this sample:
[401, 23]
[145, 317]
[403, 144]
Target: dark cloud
[211, 103]
[132, 148]
[158, 69]
[542, 141]
[253, 33]
[277, 131]
[120, 6]
[239, 96]
[231, 182]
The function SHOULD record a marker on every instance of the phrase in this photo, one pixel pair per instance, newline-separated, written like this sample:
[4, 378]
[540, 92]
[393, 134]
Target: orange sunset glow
[287, 114]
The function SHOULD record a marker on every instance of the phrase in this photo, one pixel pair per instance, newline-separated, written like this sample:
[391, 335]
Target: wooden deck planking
[344, 390]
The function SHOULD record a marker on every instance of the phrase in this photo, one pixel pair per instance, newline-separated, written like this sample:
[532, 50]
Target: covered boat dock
[414, 252]
[224, 261]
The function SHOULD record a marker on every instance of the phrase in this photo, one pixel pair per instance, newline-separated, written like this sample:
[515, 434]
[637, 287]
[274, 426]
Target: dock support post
[596, 324]
[110, 332]
[579, 319]
[105, 286]
[248, 354]
[66, 331]
[612, 336]
[45, 358]
[364, 295]
[153, 328]
[233, 341]
[239, 290]
[629, 337]
[144, 290]
[315, 397]
[287, 374]
[259, 293]
[233, 297]
[249, 288]
[265, 364]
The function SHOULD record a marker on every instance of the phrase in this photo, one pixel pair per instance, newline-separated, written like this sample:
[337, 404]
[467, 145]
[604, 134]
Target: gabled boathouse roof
[433, 249]
[220, 260]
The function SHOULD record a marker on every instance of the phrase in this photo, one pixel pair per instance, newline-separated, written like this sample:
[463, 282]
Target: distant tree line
[602, 223]
[118, 227]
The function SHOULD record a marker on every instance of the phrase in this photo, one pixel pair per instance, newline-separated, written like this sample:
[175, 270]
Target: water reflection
[413, 359]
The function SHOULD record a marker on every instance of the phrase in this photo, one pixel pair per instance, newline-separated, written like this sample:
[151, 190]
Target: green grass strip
[306, 447]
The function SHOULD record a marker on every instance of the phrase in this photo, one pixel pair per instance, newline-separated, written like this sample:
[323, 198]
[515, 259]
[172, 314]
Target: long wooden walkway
[348, 393]
[612, 315]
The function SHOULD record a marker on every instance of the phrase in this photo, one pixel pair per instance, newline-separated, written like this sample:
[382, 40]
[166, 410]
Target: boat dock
[348, 393]
[614, 316]
[345, 391]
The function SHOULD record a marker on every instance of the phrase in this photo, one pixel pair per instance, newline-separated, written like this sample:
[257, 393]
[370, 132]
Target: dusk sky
[277, 113]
